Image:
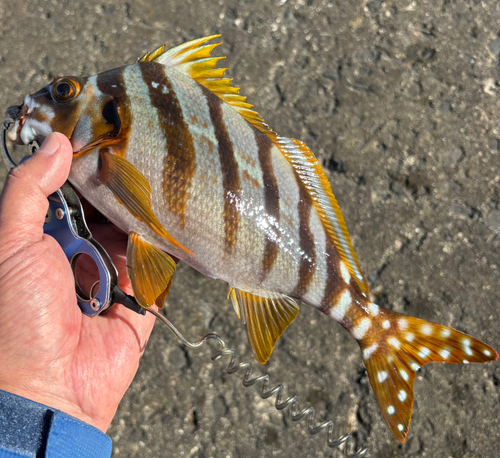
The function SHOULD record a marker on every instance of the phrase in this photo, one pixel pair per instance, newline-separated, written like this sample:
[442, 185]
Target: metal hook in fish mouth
[7, 158]
[9, 162]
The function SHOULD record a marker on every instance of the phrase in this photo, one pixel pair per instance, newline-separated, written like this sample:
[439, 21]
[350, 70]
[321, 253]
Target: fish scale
[171, 153]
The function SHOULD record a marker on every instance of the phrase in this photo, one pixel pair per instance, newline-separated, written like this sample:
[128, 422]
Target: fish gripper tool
[65, 221]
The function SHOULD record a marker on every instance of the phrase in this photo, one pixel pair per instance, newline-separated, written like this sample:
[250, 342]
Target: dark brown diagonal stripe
[308, 264]
[334, 282]
[112, 84]
[180, 162]
[271, 196]
[229, 169]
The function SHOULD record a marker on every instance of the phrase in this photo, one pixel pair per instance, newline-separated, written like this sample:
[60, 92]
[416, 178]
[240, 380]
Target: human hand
[51, 352]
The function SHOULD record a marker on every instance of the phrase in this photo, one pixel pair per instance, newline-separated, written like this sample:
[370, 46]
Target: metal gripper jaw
[65, 221]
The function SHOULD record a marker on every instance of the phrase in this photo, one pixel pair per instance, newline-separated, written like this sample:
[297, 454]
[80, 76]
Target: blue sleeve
[29, 429]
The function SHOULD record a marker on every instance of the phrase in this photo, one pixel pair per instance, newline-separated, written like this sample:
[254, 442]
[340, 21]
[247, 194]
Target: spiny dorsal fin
[311, 174]
[266, 318]
[193, 59]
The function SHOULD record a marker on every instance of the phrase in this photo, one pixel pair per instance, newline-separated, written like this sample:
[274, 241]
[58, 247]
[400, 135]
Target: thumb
[23, 203]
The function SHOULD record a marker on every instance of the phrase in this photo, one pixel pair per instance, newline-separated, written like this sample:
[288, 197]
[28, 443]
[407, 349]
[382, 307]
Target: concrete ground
[400, 102]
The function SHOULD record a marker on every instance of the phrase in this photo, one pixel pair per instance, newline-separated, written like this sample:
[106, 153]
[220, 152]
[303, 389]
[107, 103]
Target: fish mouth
[18, 114]
[26, 129]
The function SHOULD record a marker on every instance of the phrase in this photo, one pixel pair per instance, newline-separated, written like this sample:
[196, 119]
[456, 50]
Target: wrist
[53, 401]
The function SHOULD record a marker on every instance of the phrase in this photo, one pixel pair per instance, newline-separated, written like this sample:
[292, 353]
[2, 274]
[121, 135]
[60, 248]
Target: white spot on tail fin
[344, 271]
[360, 330]
[466, 343]
[401, 427]
[367, 352]
[410, 337]
[394, 342]
[487, 352]
[386, 324]
[403, 324]
[445, 353]
[445, 333]
[374, 308]
[338, 312]
[415, 366]
[426, 329]
[404, 374]
[391, 410]
[381, 376]
[465, 361]
[402, 395]
[424, 352]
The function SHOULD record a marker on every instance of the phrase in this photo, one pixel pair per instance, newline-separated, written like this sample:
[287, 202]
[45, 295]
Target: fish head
[70, 105]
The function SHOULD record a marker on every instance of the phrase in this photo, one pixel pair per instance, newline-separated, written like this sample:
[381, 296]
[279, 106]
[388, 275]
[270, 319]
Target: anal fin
[265, 318]
[130, 188]
[150, 271]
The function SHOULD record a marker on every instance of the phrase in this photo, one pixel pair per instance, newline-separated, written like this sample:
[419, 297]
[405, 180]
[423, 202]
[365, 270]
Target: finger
[23, 203]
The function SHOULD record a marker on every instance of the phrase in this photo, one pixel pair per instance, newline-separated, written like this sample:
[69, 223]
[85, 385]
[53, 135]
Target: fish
[171, 152]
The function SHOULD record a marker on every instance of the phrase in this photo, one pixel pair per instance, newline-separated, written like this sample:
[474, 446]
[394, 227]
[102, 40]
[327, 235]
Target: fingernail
[50, 145]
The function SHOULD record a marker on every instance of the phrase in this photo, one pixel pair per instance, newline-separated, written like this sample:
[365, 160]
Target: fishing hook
[7, 158]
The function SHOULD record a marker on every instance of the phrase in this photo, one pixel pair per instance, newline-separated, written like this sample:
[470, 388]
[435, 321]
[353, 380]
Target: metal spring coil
[279, 390]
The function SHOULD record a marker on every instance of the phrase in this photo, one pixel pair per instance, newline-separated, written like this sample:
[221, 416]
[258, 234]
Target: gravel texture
[400, 102]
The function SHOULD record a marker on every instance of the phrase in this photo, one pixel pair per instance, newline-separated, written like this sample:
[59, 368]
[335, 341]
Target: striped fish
[172, 154]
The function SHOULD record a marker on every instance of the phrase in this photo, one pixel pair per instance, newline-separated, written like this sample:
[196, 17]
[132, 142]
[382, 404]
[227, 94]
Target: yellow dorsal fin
[312, 175]
[266, 318]
[150, 271]
[193, 59]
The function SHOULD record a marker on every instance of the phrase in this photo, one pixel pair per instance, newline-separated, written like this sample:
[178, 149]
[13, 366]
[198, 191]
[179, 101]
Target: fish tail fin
[397, 347]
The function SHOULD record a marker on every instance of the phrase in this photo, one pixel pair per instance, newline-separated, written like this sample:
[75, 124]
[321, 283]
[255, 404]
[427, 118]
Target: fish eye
[65, 89]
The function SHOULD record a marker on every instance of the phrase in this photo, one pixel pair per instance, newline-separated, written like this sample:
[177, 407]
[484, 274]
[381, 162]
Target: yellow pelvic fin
[150, 271]
[131, 189]
[231, 294]
[397, 347]
[193, 59]
[314, 179]
[265, 319]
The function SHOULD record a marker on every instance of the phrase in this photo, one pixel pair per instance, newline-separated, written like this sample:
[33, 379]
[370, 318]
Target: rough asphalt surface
[400, 102]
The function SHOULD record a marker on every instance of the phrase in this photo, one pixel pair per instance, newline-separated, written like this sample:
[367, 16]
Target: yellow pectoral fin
[131, 189]
[150, 271]
[266, 318]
